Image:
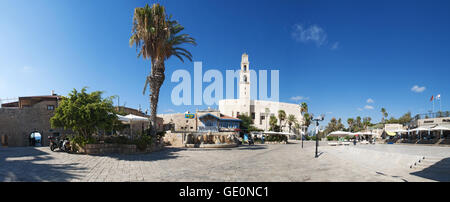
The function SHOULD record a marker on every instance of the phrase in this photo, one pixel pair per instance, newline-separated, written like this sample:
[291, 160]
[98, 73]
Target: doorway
[35, 139]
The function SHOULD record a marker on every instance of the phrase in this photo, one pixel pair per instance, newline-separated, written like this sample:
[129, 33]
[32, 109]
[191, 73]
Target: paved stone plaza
[245, 163]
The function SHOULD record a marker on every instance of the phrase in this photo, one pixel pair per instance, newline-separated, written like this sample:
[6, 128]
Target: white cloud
[329, 112]
[418, 89]
[370, 100]
[169, 110]
[359, 109]
[368, 107]
[27, 69]
[313, 33]
[298, 98]
[335, 46]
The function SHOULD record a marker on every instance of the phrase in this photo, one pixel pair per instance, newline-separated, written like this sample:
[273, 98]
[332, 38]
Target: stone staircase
[431, 163]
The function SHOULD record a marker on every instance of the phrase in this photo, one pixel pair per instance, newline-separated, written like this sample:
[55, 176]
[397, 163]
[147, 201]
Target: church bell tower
[244, 84]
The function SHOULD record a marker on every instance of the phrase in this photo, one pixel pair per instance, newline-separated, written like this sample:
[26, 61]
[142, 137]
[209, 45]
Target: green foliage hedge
[276, 138]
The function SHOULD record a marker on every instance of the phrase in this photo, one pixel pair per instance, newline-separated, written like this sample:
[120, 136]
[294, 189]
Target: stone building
[140, 126]
[18, 120]
[259, 110]
[209, 120]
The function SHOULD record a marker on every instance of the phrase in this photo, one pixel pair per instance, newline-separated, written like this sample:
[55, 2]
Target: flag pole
[433, 105]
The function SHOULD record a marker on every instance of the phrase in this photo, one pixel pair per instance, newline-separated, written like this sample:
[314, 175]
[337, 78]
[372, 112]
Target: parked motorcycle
[62, 144]
[250, 141]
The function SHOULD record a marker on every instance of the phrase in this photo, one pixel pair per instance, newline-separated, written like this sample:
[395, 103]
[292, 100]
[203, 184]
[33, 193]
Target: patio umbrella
[133, 118]
[123, 118]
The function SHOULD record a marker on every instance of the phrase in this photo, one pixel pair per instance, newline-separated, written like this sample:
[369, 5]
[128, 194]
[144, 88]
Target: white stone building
[259, 110]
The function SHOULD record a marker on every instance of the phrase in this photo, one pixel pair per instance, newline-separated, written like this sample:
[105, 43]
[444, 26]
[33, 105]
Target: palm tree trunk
[157, 79]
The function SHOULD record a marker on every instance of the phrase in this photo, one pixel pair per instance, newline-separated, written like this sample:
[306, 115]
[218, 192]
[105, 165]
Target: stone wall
[180, 122]
[16, 124]
[182, 139]
[174, 139]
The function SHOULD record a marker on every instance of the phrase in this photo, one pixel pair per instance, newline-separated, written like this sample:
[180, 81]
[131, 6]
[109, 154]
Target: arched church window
[245, 78]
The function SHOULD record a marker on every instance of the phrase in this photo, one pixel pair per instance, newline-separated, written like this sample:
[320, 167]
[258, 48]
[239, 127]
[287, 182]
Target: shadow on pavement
[29, 164]
[440, 171]
[251, 147]
[164, 154]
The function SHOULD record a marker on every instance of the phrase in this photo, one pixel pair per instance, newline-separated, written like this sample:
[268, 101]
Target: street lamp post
[320, 118]
[303, 133]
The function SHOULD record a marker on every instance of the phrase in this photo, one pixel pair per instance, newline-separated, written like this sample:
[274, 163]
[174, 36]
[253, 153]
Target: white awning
[339, 133]
[420, 129]
[368, 133]
[438, 128]
[122, 118]
[134, 118]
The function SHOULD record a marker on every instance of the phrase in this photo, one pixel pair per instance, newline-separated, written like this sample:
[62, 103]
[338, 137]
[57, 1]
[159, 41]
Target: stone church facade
[259, 110]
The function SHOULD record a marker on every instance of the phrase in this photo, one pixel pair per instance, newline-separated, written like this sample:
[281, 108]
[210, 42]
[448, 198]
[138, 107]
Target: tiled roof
[43, 96]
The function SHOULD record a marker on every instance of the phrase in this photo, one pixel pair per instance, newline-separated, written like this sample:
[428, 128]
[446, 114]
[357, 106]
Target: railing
[432, 115]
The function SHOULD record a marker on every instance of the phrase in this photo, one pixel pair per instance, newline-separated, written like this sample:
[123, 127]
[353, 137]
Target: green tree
[350, 122]
[291, 120]
[332, 126]
[406, 118]
[304, 108]
[157, 37]
[392, 120]
[358, 125]
[84, 113]
[247, 123]
[273, 123]
[306, 116]
[366, 122]
[297, 127]
[306, 121]
[281, 116]
[339, 125]
[384, 113]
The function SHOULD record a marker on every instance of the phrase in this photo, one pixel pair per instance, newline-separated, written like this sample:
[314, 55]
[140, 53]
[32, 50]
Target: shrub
[276, 138]
[143, 141]
[118, 140]
[81, 140]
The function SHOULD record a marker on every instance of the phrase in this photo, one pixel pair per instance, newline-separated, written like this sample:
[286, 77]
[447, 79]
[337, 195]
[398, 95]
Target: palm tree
[273, 122]
[350, 123]
[306, 121]
[157, 37]
[267, 112]
[384, 113]
[304, 112]
[281, 117]
[297, 127]
[304, 108]
[291, 120]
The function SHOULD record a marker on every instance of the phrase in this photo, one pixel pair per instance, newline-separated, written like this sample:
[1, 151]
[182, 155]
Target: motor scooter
[62, 144]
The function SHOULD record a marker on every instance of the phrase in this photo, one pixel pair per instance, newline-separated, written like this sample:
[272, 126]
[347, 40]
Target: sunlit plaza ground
[245, 163]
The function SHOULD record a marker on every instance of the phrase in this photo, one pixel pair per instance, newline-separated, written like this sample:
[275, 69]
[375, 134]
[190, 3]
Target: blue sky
[334, 54]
